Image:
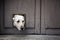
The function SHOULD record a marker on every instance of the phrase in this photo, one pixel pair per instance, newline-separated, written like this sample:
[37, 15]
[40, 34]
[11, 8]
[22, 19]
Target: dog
[19, 22]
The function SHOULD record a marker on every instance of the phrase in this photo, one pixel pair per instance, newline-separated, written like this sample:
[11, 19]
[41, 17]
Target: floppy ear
[13, 18]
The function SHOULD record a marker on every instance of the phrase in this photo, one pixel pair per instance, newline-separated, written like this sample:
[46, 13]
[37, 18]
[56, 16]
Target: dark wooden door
[50, 17]
[31, 8]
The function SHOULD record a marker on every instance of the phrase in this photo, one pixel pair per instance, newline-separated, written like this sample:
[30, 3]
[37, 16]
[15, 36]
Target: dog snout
[22, 28]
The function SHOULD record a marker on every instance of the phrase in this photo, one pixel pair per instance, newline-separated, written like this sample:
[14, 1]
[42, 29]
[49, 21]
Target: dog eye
[18, 21]
[23, 21]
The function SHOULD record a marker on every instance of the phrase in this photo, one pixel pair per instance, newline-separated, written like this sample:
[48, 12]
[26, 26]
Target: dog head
[19, 22]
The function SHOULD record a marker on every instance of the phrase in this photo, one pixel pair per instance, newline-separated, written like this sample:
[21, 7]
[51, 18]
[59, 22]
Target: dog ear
[13, 18]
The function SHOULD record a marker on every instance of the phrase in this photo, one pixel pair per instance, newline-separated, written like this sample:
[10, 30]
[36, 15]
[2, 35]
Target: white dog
[19, 22]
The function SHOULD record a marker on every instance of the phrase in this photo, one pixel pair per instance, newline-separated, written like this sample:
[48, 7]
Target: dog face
[19, 22]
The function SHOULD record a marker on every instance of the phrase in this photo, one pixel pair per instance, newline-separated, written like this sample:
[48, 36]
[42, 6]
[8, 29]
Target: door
[31, 9]
[50, 17]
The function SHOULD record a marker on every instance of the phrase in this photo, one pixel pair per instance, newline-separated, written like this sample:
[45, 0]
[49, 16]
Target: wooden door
[31, 8]
[50, 20]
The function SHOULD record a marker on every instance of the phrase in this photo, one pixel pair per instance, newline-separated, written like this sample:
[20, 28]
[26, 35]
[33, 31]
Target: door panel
[51, 14]
[19, 7]
[10, 8]
[27, 7]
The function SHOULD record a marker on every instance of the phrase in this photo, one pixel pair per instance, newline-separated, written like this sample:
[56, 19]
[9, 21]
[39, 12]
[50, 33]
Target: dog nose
[22, 28]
